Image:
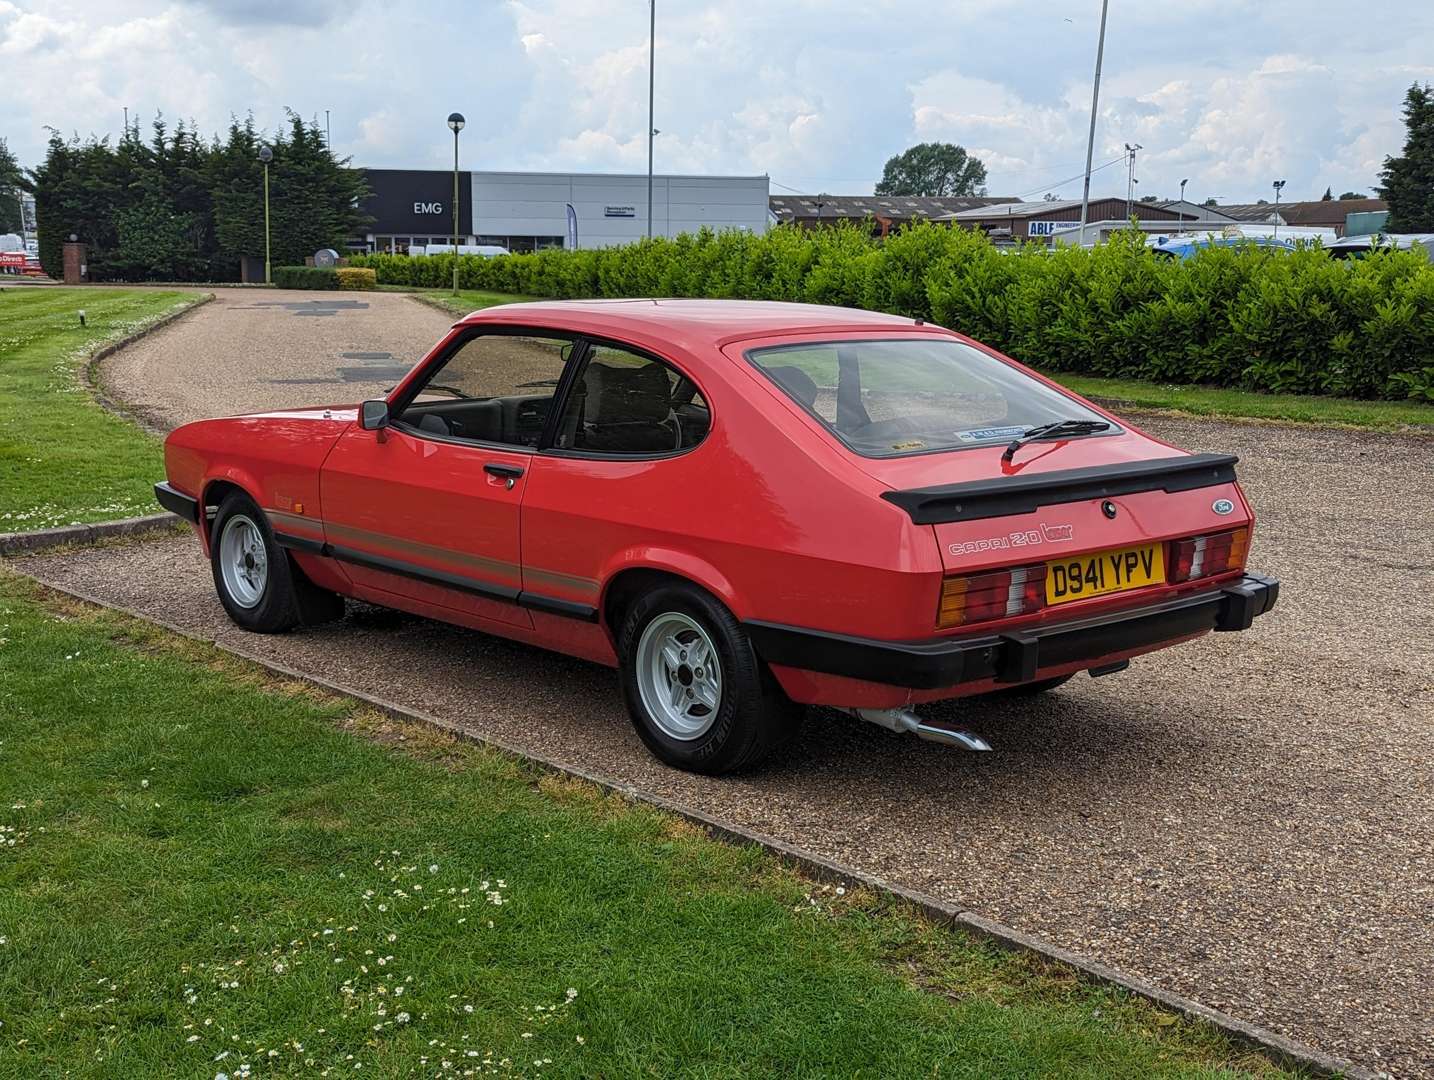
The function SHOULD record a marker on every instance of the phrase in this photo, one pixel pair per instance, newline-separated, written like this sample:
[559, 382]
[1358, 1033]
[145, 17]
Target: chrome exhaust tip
[904, 720]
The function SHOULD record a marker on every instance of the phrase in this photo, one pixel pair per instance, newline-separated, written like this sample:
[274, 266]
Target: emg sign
[428, 208]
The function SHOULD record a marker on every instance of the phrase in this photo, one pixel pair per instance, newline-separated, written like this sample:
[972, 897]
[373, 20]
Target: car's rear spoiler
[977, 499]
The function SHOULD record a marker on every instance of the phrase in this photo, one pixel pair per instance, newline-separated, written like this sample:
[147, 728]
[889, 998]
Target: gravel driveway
[254, 349]
[1247, 820]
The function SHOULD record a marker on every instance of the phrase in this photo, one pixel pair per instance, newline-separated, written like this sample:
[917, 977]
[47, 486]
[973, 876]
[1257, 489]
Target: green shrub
[1242, 316]
[306, 277]
[357, 277]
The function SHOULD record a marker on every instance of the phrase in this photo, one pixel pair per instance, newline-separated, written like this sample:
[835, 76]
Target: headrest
[796, 382]
[627, 394]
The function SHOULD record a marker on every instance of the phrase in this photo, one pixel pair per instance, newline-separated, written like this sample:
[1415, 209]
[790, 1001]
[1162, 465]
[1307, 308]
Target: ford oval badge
[1222, 506]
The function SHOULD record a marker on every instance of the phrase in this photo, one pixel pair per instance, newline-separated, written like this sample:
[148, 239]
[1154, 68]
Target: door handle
[507, 472]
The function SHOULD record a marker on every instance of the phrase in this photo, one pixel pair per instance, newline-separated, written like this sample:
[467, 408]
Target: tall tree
[175, 207]
[1328, 195]
[1408, 180]
[933, 169]
[12, 182]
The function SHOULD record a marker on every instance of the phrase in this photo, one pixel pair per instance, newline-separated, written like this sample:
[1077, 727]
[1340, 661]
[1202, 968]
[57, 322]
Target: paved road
[250, 349]
[1247, 820]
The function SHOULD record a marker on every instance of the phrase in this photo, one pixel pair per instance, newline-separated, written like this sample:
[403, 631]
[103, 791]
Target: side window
[624, 403]
[494, 388]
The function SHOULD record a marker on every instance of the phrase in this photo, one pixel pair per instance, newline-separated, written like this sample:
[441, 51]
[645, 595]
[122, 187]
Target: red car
[746, 507]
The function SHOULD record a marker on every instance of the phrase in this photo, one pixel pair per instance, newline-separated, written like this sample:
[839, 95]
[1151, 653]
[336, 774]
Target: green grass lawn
[469, 299]
[205, 870]
[63, 459]
[1215, 401]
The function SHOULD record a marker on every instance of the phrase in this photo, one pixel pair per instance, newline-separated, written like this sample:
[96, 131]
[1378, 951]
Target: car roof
[715, 322]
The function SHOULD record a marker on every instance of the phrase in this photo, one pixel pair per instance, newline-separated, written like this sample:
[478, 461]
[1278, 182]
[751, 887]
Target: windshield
[914, 395]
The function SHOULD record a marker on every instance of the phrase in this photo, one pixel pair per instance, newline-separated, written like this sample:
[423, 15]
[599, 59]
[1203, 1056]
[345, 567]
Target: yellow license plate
[1104, 572]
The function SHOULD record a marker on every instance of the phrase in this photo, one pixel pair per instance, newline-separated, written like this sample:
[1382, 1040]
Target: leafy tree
[1408, 180]
[1327, 196]
[1354, 195]
[179, 208]
[1210, 202]
[12, 182]
[1150, 198]
[933, 169]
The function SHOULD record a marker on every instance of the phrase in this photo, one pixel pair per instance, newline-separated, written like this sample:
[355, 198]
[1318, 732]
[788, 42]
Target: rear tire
[260, 587]
[697, 693]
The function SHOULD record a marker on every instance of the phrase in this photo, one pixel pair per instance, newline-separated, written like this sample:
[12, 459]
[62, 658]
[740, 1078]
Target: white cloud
[818, 93]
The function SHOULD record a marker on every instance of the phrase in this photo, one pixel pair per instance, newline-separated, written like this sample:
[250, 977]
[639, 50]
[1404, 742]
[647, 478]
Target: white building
[525, 211]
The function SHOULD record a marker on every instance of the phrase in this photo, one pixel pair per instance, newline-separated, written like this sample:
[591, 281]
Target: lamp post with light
[1182, 204]
[1278, 185]
[455, 123]
[266, 155]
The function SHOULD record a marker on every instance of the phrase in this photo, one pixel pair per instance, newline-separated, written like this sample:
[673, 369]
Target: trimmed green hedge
[1247, 317]
[306, 277]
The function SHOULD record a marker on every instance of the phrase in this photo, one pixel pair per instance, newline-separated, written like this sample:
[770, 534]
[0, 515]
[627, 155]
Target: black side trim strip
[553, 605]
[177, 502]
[423, 573]
[977, 499]
[556, 606]
[299, 543]
[1014, 656]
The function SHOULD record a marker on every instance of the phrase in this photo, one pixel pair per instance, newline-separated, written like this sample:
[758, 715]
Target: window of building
[624, 403]
[493, 388]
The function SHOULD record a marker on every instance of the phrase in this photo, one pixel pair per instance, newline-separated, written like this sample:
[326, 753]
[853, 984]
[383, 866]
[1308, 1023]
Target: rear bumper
[1017, 655]
[177, 502]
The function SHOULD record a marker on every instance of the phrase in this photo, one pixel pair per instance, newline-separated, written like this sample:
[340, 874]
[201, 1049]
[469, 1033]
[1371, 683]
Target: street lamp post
[266, 155]
[1182, 204]
[1278, 185]
[455, 122]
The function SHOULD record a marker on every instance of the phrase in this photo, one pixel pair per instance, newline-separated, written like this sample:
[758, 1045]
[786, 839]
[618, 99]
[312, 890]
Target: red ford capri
[745, 507]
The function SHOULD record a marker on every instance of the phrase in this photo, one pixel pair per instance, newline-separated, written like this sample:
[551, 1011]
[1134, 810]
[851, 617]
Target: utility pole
[328, 134]
[1278, 185]
[126, 123]
[1130, 149]
[651, 83]
[1094, 101]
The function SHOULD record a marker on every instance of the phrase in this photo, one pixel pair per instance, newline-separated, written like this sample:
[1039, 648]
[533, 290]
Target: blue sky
[817, 95]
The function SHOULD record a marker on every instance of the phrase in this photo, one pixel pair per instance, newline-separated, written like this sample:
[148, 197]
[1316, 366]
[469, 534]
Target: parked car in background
[1186, 247]
[486, 251]
[745, 507]
[1357, 247]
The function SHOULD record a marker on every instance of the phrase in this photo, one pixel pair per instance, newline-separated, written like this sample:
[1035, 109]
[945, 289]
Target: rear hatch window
[915, 395]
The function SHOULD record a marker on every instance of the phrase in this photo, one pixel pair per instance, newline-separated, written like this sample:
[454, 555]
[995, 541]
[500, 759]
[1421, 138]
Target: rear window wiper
[1054, 430]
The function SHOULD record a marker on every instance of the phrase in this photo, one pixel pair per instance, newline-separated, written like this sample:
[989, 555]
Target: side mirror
[373, 415]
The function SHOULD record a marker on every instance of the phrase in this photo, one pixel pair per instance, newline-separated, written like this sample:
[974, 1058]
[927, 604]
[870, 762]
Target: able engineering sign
[1050, 228]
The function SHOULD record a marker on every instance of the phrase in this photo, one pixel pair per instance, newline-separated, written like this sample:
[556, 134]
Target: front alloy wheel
[243, 561]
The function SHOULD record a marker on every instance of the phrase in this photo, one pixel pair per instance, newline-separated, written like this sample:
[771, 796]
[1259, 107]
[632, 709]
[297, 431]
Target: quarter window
[494, 388]
[625, 403]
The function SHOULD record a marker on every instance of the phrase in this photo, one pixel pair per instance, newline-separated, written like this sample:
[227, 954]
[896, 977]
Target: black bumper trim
[976, 499]
[1014, 656]
[177, 502]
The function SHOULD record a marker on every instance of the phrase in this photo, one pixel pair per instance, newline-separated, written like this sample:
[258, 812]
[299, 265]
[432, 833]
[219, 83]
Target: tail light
[1206, 556]
[998, 594]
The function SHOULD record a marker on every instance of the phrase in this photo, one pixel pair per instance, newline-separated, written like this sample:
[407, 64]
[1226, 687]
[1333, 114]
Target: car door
[428, 507]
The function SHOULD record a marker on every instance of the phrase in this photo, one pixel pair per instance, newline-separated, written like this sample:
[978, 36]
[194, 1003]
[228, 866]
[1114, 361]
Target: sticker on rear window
[982, 434]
